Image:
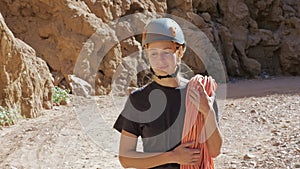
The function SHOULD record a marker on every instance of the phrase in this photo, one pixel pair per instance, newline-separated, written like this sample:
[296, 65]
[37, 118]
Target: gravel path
[260, 123]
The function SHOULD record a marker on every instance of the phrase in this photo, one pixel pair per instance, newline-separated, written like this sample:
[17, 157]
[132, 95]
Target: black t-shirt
[156, 113]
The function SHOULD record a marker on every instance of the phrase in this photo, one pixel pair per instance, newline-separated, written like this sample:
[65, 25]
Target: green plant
[9, 116]
[60, 95]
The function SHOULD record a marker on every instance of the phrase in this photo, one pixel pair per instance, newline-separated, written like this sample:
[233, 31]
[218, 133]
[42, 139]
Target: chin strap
[173, 75]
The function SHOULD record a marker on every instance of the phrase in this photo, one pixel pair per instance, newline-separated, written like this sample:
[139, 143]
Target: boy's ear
[181, 51]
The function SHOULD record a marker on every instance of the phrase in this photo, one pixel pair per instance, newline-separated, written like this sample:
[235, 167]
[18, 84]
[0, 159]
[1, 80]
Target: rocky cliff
[25, 79]
[252, 38]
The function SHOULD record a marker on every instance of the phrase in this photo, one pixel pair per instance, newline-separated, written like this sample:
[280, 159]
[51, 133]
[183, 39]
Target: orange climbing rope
[194, 122]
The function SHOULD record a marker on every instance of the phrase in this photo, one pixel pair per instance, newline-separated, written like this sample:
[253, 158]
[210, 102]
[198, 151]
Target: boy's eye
[166, 53]
[153, 54]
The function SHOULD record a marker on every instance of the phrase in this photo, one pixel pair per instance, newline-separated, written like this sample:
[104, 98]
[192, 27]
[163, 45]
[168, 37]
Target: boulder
[26, 83]
[290, 54]
[80, 87]
[228, 52]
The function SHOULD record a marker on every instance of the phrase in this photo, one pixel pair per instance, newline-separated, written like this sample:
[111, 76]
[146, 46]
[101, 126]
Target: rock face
[58, 30]
[252, 38]
[25, 79]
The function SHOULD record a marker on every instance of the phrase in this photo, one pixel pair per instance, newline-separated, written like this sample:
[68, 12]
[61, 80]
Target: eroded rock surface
[25, 78]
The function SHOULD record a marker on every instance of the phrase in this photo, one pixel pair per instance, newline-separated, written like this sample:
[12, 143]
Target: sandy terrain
[260, 122]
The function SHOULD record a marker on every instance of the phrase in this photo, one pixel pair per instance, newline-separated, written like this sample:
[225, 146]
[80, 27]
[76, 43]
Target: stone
[80, 87]
[249, 156]
[197, 20]
[233, 166]
[205, 5]
[290, 53]
[206, 16]
[234, 162]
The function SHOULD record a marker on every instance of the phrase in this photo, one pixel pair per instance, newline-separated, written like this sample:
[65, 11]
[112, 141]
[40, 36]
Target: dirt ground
[260, 123]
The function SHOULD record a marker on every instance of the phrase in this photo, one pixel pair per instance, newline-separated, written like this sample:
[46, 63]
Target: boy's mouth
[162, 67]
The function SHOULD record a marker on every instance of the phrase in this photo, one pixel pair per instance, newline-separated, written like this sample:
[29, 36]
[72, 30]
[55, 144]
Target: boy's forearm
[213, 134]
[145, 160]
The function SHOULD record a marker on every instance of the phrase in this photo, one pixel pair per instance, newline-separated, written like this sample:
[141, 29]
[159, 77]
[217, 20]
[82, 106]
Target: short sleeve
[122, 123]
[126, 124]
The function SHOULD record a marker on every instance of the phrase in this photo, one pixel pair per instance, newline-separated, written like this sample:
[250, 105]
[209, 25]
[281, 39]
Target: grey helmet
[162, 29]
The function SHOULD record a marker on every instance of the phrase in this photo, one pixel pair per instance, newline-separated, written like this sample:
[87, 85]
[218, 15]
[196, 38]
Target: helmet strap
[173, 75]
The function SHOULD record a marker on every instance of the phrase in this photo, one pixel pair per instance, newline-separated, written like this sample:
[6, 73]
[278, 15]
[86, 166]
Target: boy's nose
[161, 56]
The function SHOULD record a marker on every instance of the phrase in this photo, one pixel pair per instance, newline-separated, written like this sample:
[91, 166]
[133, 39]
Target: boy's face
[163, 57]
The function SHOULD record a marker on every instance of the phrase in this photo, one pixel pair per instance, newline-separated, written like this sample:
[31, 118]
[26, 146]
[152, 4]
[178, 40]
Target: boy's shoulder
[139, 90]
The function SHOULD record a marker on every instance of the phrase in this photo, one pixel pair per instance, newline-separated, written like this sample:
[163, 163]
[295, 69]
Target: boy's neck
[169, 82]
